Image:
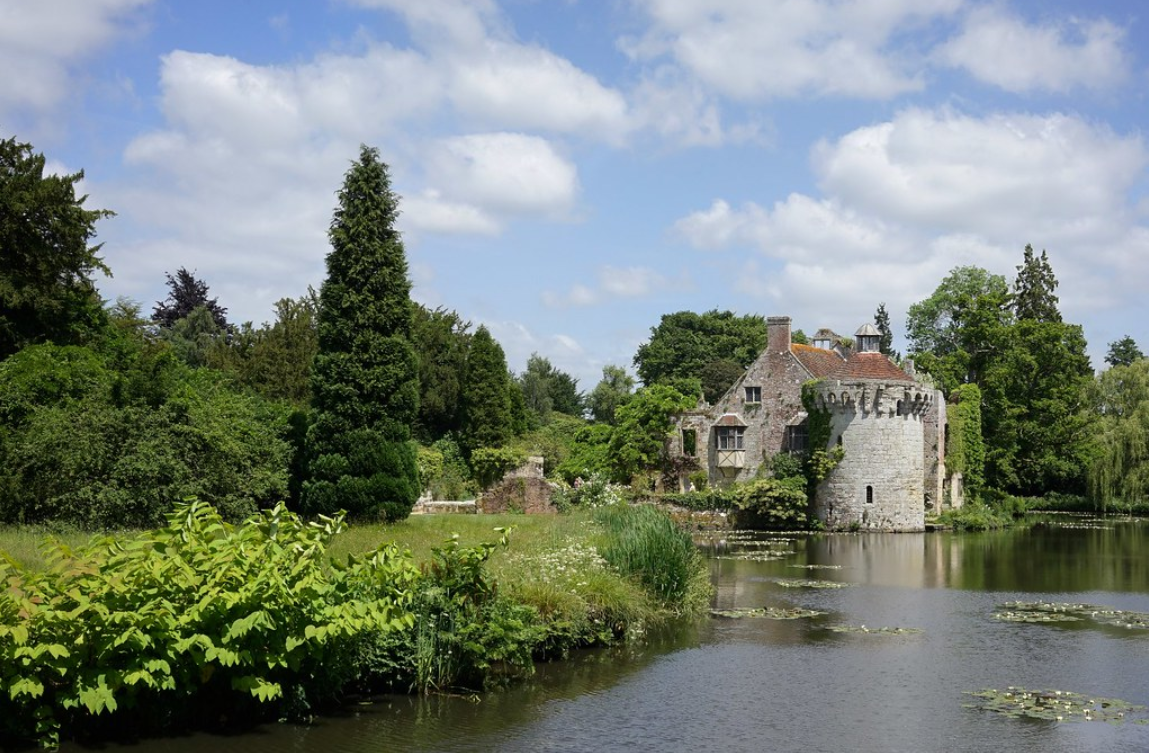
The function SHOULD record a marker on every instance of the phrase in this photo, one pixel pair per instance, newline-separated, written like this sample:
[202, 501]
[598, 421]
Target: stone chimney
[778, 334]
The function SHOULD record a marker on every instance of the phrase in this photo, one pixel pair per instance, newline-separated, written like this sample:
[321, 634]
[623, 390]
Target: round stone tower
[879, 483]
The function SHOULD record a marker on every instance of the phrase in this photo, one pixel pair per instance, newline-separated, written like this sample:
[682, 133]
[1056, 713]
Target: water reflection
[796, 685]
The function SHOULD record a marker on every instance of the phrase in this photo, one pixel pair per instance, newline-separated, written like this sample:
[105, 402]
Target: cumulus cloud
[760, 49]
[1057, 175]
[41, 46]
[1001, 49]
[907, 200]
[507, 172]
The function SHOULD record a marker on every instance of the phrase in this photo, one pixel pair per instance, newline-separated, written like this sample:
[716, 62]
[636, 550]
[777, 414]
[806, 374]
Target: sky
[572, 170]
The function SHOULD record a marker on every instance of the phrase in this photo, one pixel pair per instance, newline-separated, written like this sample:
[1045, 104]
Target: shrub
[773, 502]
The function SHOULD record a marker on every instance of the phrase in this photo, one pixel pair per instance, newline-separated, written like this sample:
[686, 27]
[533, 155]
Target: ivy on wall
[965, 449]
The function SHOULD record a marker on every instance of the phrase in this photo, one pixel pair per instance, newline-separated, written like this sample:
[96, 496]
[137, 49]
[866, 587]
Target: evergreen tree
[882, 323]
[46, 264]
[487, 417]
[1123, 352]
[1033, 296]
[441, 338]
[547, 389]
[365, 386]
[186, 293]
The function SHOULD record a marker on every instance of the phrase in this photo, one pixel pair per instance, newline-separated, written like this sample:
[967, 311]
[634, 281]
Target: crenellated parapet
[873, 399]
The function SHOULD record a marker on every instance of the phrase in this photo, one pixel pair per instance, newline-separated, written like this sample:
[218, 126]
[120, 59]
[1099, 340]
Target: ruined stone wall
[879, 484]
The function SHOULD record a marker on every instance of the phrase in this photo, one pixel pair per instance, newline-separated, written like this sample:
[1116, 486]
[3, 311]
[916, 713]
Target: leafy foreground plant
[191, 622]
[1055, 705]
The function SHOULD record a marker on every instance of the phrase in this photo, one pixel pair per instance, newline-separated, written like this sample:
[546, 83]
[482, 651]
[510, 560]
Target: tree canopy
[486, 395]
[46, 262]
[1123, 352]
[684, 343]
[615, 389]
[1033, 296]
[882, 323]
[365, 383]
[186, 293]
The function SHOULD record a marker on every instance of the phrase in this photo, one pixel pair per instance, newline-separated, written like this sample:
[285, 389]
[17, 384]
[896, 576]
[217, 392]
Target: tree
[546, 388]
[638, 439]
[441, 340]
[1120, 469]
[1123, 352]
[186, 293]
[938, 324]
[882, 322]
[486, 398]
[46, 264]
[365, 385]
[615, 389]
[684, 343]
[718, 376]
[1033, 296]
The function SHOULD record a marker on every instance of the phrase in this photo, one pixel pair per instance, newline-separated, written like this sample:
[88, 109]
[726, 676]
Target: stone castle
[890, 424]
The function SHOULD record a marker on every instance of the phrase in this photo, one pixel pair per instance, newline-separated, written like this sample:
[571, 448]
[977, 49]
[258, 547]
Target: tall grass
[644, 543]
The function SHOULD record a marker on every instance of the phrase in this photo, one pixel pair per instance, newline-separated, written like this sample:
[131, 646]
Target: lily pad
[873, 630]
[767, 556]
[1047, 612]
[769, 613]
[818, 567]
[809, 583]
[1053, 705]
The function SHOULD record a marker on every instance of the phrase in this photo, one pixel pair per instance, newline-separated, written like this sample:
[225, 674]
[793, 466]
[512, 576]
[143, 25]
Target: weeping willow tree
[1120, 470]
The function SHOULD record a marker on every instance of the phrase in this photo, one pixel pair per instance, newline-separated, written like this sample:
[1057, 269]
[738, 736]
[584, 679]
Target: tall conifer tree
[365, 383]
[1033, 296]
[487, 417]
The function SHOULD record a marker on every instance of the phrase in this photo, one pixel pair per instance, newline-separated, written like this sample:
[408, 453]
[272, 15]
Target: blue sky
[570, 171]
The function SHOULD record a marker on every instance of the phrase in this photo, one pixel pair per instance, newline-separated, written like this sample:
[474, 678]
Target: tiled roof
[818, 361]
[826, 364]
[872, 366]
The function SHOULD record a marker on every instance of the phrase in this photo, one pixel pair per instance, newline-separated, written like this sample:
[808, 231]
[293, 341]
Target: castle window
[753, 394]
[689, 442]
[869, 495]
[730, 437]
[797, 437]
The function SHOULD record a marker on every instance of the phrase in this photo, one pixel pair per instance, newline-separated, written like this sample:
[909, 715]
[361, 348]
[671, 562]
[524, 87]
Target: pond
[907, 626]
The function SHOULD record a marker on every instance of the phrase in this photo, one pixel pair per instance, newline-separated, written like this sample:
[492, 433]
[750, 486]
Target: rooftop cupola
[868, 339]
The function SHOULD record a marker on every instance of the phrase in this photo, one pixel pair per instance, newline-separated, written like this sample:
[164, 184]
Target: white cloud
[1000, 48]
[758, 49]
[428, 212]
[614, 283]
[504, 172]
[1004, 175]
[42, 44]
[527, 87]
[907, 200]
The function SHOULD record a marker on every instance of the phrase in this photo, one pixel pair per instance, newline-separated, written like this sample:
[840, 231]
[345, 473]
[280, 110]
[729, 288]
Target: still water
[797, 685]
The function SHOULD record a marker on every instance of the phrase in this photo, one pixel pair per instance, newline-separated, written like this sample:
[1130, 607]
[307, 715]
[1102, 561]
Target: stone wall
[934, 453]
[879, 484]
[522, 490]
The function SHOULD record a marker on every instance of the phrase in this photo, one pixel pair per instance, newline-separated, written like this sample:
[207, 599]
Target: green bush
[775, 503]
[594, 491]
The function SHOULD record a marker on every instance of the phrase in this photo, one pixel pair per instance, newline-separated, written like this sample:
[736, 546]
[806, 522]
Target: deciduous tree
[615, 389]
[684, 343]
